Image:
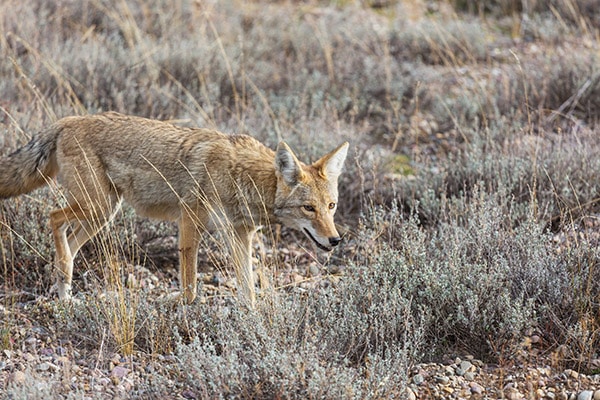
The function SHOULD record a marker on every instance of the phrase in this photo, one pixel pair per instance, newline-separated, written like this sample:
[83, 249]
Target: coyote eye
[331, 206]
[308, 208]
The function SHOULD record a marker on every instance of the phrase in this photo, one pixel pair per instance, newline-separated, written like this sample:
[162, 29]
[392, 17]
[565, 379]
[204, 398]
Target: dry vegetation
[470, 199]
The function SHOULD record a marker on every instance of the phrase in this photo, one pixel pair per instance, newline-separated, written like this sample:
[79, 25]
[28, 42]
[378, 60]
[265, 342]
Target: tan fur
[201, 178]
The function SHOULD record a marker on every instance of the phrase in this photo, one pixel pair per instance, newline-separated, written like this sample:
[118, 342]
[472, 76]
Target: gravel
[472, 379]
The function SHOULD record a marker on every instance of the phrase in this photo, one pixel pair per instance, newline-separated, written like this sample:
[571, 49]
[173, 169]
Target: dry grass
[470, 201]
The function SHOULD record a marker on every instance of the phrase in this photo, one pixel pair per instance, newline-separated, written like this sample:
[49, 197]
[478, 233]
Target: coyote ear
[331, 164]
[287, 165]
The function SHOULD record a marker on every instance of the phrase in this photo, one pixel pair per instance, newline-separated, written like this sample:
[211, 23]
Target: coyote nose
[334, 241]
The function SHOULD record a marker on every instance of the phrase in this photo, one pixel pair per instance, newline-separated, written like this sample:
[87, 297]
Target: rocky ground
[468, 378]
[41, 361]
[38, 359]
[35, 357]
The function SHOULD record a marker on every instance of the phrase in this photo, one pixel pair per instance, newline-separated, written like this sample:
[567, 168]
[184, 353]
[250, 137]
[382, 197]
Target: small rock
[40, 330]
[43, 366]
[444, 380]
[585, 395]
[541, 383]
[596, 395]
[463, 367]
[470, 376]
[18, 377]
[418, 379]
[313, 270]
[512, 394]
[562, 396]
[188, 394]
[119, 372]
[476, 388]
[409, 394]
[127, 385]
[46, 352]
[448, 389]
[103, 381]
[335, 269]
[571, 374]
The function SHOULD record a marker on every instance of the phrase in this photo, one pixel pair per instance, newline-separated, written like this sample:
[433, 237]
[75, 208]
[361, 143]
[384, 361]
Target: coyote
[203, 179]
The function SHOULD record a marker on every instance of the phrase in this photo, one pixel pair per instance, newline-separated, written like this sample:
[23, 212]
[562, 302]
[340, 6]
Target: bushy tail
[30, 166]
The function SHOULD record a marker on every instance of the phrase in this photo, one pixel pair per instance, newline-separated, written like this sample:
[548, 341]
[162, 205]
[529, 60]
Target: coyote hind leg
[84, 225]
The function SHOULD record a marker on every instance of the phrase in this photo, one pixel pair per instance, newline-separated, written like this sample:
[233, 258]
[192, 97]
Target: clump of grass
[35, 388]
[453, 42]
[458, 278]
[25, 245]
[580, 13]
[294, 345]
[495, 216]
[5, 337]
[120, 300]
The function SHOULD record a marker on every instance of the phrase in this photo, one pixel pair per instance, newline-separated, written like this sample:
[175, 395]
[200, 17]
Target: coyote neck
[256, 182]
[263, 183]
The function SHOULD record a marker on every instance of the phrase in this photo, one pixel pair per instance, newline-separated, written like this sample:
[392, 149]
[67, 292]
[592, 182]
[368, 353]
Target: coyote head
[307, 195]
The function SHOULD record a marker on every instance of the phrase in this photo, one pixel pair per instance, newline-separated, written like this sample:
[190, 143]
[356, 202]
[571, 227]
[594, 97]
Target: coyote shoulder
[201, 178]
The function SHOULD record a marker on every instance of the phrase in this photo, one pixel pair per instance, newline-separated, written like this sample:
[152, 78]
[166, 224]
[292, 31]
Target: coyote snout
[167, 172]
[333, 241]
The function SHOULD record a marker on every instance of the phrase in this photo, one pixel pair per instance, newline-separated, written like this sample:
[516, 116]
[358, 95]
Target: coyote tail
[30, 166]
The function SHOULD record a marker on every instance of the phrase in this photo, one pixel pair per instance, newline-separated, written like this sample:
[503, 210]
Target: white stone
[585, 395]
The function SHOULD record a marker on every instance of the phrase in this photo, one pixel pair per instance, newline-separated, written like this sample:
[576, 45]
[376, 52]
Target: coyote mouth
[319, 245]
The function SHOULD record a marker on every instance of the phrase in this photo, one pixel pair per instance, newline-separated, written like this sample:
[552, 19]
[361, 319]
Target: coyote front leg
[191, 225]
[242, 259]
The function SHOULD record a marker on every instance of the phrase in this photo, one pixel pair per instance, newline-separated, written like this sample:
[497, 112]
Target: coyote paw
[62, 290]
[67, 301]
[177, 297]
